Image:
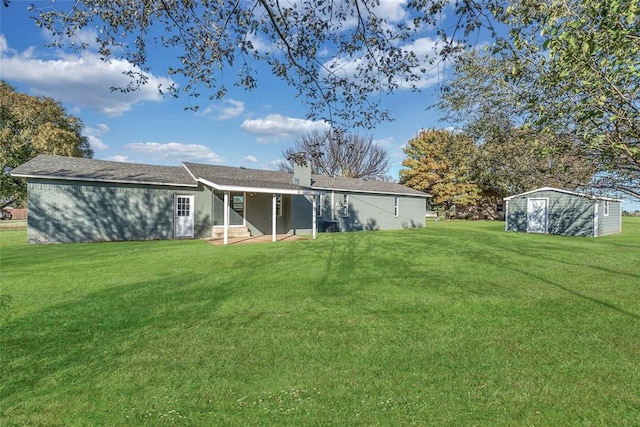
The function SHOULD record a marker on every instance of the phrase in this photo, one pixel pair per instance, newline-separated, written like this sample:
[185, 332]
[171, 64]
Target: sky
[246, 128]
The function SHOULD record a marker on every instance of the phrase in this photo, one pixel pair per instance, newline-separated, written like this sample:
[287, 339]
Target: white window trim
[396, 206]
[606, 208]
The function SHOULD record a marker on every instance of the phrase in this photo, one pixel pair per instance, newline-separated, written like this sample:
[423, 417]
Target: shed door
[537, 215]
[183, 215]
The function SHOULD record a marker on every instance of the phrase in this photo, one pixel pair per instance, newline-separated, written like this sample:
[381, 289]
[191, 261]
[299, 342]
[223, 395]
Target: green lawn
[456, 324]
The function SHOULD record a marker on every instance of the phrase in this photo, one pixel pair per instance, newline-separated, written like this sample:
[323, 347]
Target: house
[86, 200]
[554, 211]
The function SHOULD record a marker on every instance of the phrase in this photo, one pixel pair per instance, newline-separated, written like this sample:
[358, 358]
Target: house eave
[250, 189]
[390, 193]
[103, 180]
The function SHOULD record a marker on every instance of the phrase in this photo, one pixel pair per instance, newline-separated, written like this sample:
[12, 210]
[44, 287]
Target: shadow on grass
[342, 257]
[552, 251]
[91, 334]
[575, 293]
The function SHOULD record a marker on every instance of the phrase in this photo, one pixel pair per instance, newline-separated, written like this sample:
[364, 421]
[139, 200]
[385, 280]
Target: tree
[335, 53]
[342, 55]
[528, 160]
[439, 162]
[338, 154]
[512, 157]
[30, 126]
[586, 58]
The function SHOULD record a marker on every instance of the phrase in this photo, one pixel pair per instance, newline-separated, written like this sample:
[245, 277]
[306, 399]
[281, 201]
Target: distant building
[554, 211]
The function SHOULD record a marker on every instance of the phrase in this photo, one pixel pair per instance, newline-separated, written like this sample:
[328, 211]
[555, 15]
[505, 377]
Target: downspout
[620, 219]
[314, 215]
[596, 218]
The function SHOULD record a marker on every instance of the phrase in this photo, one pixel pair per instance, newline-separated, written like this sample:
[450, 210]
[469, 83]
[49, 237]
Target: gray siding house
[554, 211]
[86, 200]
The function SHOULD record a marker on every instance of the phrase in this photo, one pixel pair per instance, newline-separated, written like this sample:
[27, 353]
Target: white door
[537, 215]
[183, 215]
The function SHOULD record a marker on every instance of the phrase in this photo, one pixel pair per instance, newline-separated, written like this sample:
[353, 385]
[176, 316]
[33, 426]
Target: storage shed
[554, 211]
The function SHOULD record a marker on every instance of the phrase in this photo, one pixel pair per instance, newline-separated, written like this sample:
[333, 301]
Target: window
[318, 205]
[278, 204]
[345, 205]
[606, 208]
[183, 208]
[396, 210]
[237, 203]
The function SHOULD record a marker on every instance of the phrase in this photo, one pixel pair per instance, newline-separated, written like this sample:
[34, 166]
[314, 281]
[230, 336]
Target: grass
[456, 324]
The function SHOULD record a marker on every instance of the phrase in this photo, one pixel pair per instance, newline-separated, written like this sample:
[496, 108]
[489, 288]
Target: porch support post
[314, 217]
[273, 218]
[226, 217]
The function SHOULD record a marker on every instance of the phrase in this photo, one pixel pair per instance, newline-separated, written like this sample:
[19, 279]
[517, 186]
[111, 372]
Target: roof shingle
[254, 178]
[242, 177]
[81, 169]
[362, 185]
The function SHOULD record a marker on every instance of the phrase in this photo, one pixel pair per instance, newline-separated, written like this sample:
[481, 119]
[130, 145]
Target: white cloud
[260, 44]
[384, 142]
[392, 10]
[424, 49]
[275, 128]
[82, 37]
[94, 136]
[250, 159]
[82, 79]
[3, 44]
[176, 151]
[229, 109]
[273, 164]
[119, 158]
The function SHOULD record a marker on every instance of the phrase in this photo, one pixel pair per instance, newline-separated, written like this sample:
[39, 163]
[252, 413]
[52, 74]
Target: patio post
[273, 218]
[226, 217]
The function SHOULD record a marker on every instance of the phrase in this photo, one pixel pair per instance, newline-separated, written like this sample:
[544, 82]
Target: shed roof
[80, 169]
[573, 193]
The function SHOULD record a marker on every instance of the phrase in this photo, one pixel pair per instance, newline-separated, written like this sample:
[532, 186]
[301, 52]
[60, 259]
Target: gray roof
[81, 169]
[362, 185]
[255, 178]
[242, 177]
[558, 190]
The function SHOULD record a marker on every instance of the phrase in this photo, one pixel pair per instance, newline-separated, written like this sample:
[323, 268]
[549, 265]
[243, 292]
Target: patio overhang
[267, 189]
[259, 189]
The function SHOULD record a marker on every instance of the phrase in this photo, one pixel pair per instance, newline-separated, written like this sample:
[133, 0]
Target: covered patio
[256, 199]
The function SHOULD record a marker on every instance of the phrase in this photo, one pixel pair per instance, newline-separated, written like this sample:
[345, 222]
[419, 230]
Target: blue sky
[247, 128]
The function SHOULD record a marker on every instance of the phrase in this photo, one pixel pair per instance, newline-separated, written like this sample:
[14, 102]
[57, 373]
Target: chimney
[301, 170]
